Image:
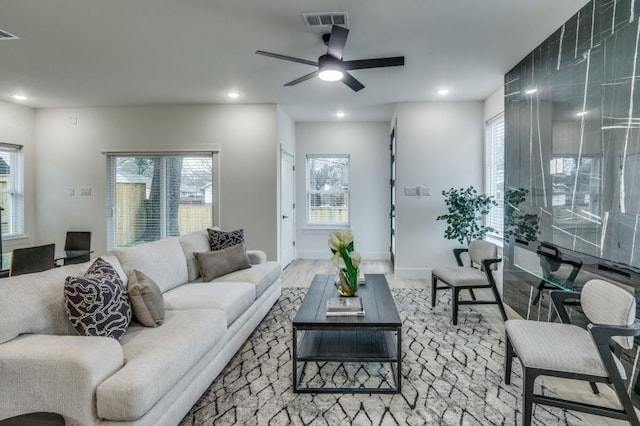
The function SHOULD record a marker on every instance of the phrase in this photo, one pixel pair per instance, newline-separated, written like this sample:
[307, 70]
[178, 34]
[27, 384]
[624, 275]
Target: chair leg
[508, 359]
[454, 304]
[527, 395]
[494, 289]
[473, 295]
[625, 401]
[434, 281]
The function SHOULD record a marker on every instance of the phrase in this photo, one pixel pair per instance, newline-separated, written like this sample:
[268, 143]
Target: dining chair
[32, 259]
[571, 352]
[484, 259]
[78, 240]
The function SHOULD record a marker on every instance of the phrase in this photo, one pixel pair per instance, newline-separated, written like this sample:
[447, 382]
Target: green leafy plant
[467, 209]
[517, 222]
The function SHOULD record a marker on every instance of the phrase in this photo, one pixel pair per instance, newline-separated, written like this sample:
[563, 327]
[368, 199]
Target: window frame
[309, 192]
[112, 156]
[15, 216]
[493, 138]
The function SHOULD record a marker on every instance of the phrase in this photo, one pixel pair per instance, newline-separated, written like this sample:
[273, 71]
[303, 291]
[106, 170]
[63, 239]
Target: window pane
[195, 192]
[160, 196]
[494, 172]
[328, 190]
[11, 196]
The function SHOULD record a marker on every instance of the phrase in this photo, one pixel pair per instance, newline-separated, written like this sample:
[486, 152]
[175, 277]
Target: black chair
[32, 259]
[571, 352]
[458, 278]
[78, 240]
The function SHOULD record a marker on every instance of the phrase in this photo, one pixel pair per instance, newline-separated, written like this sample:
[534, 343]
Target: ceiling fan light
[330, 75]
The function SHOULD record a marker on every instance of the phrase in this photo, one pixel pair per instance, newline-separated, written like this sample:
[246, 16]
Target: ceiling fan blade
[351, 81]
[337, 40]
[303, 78]
[374, 63]
[286, 58]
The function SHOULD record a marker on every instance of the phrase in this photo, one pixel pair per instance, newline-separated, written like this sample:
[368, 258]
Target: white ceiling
[77, 53]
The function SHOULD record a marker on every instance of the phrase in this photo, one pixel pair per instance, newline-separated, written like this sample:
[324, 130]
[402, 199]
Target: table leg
[295, 359]
[399, 353]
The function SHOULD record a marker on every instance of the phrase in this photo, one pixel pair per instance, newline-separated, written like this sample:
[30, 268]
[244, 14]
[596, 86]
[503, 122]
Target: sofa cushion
[146, 299]
[219, 240]
[262, 276]
[156, 358]
[163, 261]
[97, 303]
[45, 313]
[191, 243]
[234, 298]
[213, 264]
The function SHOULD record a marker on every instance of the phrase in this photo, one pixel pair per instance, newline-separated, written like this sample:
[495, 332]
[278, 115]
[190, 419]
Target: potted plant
[467, 209]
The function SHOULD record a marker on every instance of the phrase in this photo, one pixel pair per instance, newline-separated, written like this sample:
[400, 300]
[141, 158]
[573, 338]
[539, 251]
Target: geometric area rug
[452, 375]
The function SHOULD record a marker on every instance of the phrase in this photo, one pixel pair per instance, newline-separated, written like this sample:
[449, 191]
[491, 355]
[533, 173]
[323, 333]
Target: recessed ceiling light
[531, 90]
[233, 95]
[340, 114]
[20, 97]
[443, 91]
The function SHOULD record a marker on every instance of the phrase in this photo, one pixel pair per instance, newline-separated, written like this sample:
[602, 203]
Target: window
[494, 171]
[11, 190]
[328, 190]
[158, 195]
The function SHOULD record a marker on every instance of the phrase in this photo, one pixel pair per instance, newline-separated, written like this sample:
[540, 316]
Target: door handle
[284, 216]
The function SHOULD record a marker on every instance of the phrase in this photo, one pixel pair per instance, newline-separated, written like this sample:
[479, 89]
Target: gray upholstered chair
[484, 259]
[568, 351]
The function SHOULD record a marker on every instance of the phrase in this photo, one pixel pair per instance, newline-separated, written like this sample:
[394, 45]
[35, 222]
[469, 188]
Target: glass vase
[347, 286]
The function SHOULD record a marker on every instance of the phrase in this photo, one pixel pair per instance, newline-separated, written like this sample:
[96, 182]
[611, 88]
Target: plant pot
[347, 285]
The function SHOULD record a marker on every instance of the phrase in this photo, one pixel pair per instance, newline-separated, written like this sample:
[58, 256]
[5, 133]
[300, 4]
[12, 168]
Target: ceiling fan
[331, 67]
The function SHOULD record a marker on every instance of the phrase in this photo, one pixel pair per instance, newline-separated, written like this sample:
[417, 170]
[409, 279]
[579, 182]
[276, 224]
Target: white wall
[69, 155]
[439, 146]
[367, 143]
[494, 104]
[17, 127]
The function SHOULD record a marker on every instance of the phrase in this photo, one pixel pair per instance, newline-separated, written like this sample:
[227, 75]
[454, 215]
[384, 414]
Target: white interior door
[287, 197]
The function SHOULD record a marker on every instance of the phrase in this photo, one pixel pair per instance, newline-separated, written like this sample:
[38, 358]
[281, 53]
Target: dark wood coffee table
[374, 337]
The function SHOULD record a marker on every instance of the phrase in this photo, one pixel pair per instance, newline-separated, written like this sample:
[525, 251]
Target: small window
[11, 190]
[494, 172]
[328, 190]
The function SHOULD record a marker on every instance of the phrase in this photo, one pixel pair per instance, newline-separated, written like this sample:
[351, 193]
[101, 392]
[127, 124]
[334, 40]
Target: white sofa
[152, 376]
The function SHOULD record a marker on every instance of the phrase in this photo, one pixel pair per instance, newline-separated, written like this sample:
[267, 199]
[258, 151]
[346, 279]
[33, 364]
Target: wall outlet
[72, 191]
[424, 191]
[411, 191]
[85, 191]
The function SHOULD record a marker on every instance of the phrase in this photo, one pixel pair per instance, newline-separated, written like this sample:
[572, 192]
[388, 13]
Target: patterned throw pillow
[219, 240]
[97, 303]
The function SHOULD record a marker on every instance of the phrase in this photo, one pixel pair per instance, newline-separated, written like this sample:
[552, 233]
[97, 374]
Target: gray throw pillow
[219, 240]
[146, 299]
[97, 303]
[213, 264]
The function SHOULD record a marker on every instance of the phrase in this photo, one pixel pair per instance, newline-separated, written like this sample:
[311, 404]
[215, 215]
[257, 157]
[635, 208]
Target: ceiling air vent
[4, 35]
[325, 19]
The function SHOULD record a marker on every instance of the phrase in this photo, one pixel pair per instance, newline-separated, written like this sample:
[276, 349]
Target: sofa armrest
[56, 374]
[257, 256]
